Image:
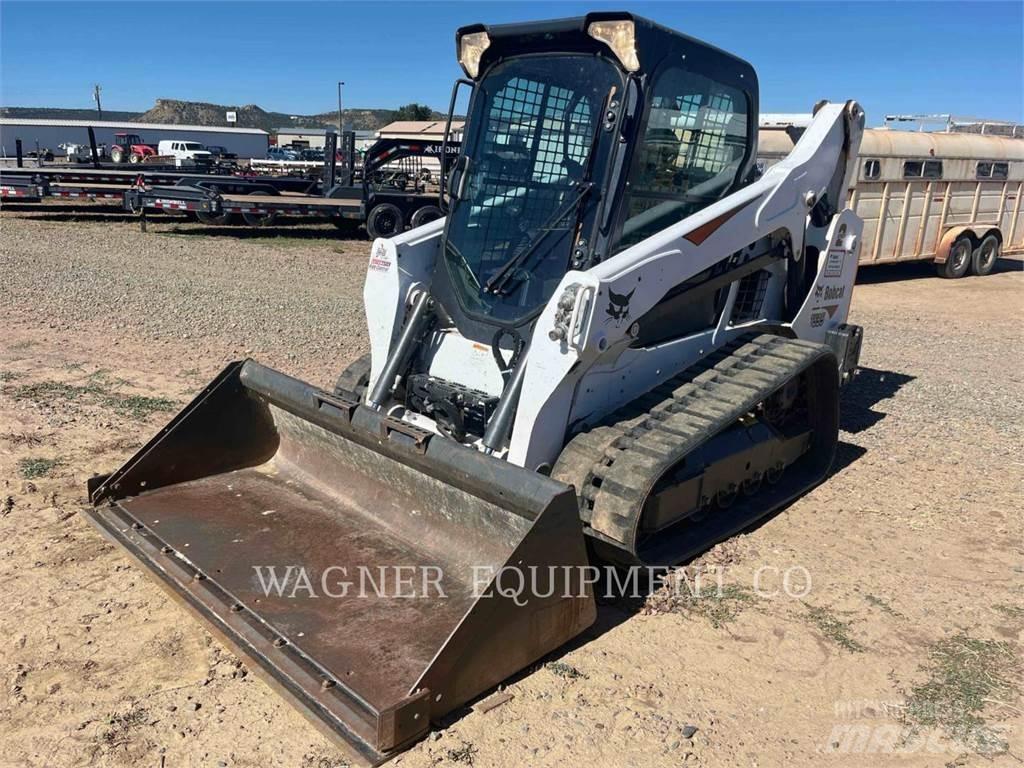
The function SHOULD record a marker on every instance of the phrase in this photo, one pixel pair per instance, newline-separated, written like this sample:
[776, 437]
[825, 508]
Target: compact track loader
[623, 343]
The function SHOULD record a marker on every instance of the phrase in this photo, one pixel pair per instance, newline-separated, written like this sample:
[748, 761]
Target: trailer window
[993, 170]
[693, 149]
[926, 169]
[872, 169]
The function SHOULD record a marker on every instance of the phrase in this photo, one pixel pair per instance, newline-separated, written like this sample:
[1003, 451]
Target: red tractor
[129, 146]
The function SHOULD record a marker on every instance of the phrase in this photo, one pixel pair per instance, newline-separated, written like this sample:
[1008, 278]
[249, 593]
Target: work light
[471, 47]
[620, 36]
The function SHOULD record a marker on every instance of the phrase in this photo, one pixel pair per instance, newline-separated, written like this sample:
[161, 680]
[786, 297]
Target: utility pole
[96, 95]
[341, 125]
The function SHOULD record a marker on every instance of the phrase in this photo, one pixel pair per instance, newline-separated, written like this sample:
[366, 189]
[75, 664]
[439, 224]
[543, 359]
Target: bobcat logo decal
[618, 307]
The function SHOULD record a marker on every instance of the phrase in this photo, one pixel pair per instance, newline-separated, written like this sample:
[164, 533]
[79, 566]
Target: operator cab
[585, 136]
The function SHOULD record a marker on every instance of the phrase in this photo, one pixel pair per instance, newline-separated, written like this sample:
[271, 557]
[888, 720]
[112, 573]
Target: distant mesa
[179, 112]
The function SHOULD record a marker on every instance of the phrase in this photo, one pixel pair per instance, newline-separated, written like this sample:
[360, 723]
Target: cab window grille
[750, 297]
[536, 135]
[693, 148]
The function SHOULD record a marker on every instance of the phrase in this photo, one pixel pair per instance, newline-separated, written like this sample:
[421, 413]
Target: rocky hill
[47, 113]
[177, 112]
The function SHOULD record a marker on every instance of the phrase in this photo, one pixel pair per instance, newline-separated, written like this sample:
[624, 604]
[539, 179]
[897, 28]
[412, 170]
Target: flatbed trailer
[111, 184]
[386, 208]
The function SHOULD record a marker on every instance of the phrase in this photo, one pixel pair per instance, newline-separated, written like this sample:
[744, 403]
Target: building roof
[291, 131]
[133, 126]
[420, 126]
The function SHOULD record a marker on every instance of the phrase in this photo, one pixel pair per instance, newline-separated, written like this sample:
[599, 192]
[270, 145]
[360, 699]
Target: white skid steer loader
[621, 344]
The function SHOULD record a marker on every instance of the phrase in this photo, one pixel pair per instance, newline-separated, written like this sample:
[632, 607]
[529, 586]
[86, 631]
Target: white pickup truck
[184, 152]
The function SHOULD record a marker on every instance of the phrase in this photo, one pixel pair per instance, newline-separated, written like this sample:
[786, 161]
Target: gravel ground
[290, 296]
[913, 628]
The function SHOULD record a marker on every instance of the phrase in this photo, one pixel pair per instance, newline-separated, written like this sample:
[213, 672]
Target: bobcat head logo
[618, 307]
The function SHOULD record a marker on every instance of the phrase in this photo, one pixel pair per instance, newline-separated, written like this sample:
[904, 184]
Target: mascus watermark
[519, 584]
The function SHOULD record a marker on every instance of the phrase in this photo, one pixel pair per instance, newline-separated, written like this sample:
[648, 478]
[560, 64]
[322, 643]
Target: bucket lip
[321, 696]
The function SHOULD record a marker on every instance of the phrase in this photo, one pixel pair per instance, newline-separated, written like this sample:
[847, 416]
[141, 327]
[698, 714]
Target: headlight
[620, 36]
[471, 47]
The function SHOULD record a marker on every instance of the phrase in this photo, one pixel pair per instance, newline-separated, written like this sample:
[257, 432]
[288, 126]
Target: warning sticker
[835, 262]
[379, 261]
[378, 264]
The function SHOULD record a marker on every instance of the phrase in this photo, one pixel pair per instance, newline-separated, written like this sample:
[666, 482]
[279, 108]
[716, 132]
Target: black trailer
[109, 184]
[101, 181]
[391, 190]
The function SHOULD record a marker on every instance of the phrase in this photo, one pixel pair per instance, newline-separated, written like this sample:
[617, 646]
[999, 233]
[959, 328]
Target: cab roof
[654, 43]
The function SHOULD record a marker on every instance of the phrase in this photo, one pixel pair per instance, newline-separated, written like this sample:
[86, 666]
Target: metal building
[315, 138]
[50, 134]
[432, 130]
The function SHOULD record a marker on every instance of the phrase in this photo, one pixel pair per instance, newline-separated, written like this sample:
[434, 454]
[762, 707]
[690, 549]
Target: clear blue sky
[925, 57]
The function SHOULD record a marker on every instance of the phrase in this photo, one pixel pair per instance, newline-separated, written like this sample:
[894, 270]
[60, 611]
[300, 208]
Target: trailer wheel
[424, 215]
[985, 256]
[225, 219]
[259, 219]
[959, 259]
[385, 220]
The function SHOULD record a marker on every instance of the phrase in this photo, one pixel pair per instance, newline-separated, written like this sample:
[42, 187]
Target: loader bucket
[263, 474]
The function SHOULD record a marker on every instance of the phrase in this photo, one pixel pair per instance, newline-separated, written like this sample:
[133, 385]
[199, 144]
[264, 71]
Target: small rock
[688, 731]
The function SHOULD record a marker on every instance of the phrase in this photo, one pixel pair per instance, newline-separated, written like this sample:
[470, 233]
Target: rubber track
[615, 465]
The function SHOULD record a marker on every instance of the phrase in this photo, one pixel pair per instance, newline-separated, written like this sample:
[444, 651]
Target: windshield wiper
[500, 278]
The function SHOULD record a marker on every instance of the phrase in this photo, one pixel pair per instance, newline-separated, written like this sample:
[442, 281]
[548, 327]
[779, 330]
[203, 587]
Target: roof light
[471, 47]
[620, 36]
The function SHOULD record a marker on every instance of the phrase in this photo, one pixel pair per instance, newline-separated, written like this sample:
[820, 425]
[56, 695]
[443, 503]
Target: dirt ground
[900, 643]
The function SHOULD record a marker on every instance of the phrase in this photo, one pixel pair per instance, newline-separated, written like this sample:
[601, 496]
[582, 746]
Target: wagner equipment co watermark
[518, 584]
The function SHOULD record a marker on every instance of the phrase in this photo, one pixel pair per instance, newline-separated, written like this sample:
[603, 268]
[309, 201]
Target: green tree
[414, 111]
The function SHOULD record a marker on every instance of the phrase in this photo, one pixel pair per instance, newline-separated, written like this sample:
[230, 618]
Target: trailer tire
[225, 219]
[424, 215]
[959, 259]
[985, 256]
[385, 220]
[259, 219]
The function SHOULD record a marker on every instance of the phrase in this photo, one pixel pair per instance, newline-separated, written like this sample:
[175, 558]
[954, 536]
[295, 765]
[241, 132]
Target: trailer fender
[952, 235]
